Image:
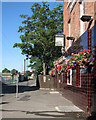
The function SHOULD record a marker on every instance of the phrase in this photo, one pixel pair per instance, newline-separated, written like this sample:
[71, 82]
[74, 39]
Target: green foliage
[36, 64]
[5, 70]
[14, 71]
[28, 73]
[38, 34]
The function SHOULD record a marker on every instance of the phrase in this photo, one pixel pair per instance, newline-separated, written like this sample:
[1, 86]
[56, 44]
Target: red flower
[72, 66]
[80, 52]
[84, 51]
[56, 70]
[88, 50]
[68, 66]
[59, 67]
[86, 61]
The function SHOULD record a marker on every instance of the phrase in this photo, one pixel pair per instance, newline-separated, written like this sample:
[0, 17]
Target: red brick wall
[89, 10]
[95, 11]
[75, 21]
[80, 96]
[65, 20]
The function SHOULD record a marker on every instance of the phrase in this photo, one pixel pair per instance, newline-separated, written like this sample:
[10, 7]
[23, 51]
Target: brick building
[79, 35]
[73, 11]
[79, 28]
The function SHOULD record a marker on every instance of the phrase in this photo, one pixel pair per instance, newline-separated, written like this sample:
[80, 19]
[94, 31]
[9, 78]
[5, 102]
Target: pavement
[37, 103]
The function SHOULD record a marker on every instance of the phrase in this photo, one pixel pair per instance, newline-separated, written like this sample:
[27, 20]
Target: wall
[75, 21]
[65, 21]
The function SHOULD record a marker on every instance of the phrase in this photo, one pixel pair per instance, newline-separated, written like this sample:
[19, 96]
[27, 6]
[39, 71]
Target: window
[69, 77]
[82, 12]
[74, 77]
[69, 41]
[62, 78]
[69, 3]
[69, 34]
[72, 5]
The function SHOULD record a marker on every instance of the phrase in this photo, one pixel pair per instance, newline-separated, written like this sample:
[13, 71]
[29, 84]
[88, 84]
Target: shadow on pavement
[4, 103]
[54, 114]
[9, 89]
[91, 118]
[1, 95]
[76, 115]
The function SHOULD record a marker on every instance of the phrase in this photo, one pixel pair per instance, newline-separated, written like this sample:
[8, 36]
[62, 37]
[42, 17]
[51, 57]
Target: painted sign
[59, 40]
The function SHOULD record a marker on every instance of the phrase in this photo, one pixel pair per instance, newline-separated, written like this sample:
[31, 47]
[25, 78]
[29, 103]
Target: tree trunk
[44, 69]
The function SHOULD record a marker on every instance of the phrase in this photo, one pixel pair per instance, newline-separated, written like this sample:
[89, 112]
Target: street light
[86, 18]
[70, 38]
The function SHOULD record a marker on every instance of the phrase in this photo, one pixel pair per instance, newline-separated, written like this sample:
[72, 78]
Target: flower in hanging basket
[64, 67]
[84, 51]
[59, 69]
[55, 70]
[52, 73]
[72, 66]
[80, 52]
[88, 50]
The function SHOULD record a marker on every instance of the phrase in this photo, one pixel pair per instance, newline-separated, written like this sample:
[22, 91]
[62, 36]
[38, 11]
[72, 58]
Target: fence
[8, 79]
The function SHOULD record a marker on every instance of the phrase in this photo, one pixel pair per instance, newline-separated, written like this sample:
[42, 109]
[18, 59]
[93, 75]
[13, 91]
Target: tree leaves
[38, 32]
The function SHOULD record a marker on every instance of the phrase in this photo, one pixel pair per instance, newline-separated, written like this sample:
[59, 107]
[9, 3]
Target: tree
[38, 34]
[28, 73]
[5, 70]
[14, 71]
[37, 65]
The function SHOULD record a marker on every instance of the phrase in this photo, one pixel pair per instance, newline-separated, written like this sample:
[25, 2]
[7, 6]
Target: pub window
[62, 77]
[74, 77]
[69, 77]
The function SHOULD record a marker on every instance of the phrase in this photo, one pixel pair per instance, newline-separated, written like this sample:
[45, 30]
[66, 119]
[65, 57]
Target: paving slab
[68, 109]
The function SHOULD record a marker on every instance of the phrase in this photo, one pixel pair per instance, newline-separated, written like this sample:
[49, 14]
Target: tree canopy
[28, 73]
[38, 33]
[14, 71]
[5, 70]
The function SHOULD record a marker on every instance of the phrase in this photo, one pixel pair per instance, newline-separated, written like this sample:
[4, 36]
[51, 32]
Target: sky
[11, 57]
